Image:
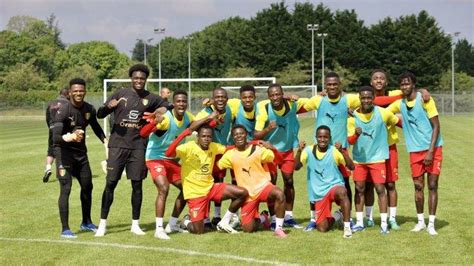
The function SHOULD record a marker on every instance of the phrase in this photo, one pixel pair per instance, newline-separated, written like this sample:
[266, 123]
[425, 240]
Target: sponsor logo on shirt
[331, 116]
[369, 134]
[205, 168]
[133, 114]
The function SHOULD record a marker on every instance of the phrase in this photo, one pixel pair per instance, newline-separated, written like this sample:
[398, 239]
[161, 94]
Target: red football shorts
[287, 166]
[250, 207]
[199, 207]
[418, 168]
[372, 172]
[216, 172]
[391, 164]
[168, 168]
[323, 207]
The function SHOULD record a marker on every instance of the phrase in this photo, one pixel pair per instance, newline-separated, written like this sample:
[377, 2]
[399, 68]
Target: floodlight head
[312, 26]
[159, 30]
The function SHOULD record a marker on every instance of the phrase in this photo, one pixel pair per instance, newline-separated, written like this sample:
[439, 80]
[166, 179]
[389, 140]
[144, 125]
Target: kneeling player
[246, 161]
[197, 161]
[325, 181]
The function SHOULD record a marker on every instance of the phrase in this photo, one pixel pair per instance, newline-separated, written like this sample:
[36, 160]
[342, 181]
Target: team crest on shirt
[88, 115]
[145, 102]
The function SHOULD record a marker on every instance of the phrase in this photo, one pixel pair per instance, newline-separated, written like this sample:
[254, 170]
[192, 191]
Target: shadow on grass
[412, 219]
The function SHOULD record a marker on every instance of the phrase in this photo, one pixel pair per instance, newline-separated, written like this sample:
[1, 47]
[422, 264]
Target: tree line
[275, 42]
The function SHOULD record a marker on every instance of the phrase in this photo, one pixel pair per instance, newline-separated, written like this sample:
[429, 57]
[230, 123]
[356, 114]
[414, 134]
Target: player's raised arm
[110, 105]
[347, 158]
[210, 119]
[298, 163]
[171, 151]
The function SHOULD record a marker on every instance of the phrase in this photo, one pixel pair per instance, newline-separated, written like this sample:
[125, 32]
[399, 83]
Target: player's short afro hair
[77, 81]
[139, 67]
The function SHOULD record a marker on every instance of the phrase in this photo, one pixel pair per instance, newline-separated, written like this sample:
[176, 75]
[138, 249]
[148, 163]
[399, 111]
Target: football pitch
[30, 226]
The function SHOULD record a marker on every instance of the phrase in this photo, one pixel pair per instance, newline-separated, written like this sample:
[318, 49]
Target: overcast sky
[121, 22]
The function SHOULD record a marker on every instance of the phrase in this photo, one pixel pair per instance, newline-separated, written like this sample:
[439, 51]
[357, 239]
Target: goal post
[106, 82]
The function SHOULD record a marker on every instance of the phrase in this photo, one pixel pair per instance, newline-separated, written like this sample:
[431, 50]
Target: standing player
[277, 123]
[368, 133]
[333, 112]
[197, 161]
[69, 126]
[221, 135]
[421, 129]
[379, 82]
[51, 111]
[126, 147]
[324, 179]
[247, 163]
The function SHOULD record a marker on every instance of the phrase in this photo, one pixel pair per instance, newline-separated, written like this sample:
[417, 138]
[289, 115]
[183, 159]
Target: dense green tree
[225, 44]
[347, 43]
[413, 43]
[237, 72]
[462, 82]
[102, 56]
[293, 74]
[138, 51]
[273, 35]
[464, 57]
[85, 71]
[304, 14]
[24, 77]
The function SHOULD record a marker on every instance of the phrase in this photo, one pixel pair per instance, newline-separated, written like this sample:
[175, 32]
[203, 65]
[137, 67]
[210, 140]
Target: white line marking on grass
[161, 249]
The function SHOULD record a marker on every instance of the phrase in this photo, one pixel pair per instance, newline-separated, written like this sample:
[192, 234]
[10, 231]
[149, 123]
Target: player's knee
[390, 186]
[163, 190]
[110, 185]
[241, 192]
[288, 181]
[380, 189]
[360, 188]
[279, 195]
[248, 228]
[433, 186]
[341, 193]
[322, 228]
[418, 186]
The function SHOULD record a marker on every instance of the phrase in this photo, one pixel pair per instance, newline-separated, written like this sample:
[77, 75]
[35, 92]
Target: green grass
[29, 215]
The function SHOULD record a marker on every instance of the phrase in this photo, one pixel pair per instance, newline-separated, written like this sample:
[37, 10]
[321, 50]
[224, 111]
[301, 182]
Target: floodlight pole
[322, 36]
[159, 31]
[312, 28]
[452, 36]
[144, 49]
[189, 38]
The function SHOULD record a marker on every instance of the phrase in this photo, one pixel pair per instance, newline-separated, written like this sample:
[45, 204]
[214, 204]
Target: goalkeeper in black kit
[126, 149]
[69, 144]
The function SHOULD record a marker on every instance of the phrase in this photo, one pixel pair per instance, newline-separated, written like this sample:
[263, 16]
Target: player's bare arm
[301, 146]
